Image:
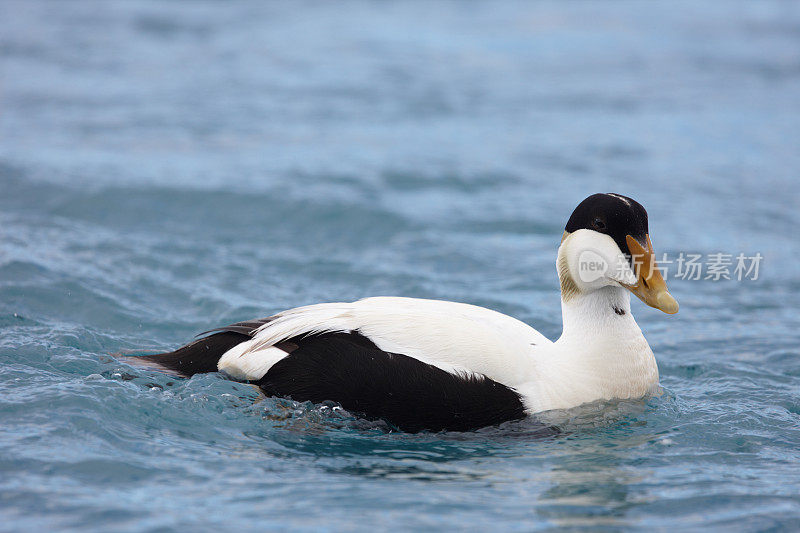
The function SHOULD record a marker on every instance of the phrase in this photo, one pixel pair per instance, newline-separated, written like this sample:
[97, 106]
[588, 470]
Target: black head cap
[612, 214]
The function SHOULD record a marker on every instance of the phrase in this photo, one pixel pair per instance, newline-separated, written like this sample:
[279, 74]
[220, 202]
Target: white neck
[601, 354]
[597, 314]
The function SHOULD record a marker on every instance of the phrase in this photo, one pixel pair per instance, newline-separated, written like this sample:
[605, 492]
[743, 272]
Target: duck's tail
[197, 357]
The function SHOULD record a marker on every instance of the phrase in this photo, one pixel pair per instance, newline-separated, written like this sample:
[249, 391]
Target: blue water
[171, 167]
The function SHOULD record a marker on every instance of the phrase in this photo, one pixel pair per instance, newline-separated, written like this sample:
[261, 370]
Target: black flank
[350, 369]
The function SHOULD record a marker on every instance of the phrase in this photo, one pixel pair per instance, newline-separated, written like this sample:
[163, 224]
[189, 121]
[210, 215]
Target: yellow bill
[650, 287]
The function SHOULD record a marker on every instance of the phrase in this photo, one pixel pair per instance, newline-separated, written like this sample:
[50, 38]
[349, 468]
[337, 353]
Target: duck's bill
[650, 286]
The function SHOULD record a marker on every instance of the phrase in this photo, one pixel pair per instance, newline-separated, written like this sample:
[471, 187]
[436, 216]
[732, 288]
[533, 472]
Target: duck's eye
[599, 224]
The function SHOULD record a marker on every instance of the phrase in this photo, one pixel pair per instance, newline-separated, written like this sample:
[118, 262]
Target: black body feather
[414, 396]
[350, 369]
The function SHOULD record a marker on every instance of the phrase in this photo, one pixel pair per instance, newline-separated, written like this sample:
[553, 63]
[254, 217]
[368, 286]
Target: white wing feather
[453, 336]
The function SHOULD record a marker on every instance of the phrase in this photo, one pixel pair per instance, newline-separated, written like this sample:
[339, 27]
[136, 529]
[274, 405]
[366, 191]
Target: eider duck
[436, 365]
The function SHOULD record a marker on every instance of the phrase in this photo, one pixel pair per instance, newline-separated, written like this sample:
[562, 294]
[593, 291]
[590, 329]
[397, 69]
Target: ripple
[166, 169]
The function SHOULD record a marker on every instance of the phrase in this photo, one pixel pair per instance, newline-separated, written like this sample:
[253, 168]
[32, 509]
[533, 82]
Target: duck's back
[419, 364]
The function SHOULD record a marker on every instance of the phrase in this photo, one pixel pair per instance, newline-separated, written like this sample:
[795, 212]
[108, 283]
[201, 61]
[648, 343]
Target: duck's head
[606, 242]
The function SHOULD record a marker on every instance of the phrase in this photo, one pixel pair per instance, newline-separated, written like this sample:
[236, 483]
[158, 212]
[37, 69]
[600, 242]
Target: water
[169, 168]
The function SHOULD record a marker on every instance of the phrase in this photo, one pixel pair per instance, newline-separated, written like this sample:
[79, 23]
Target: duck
[432, 365]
